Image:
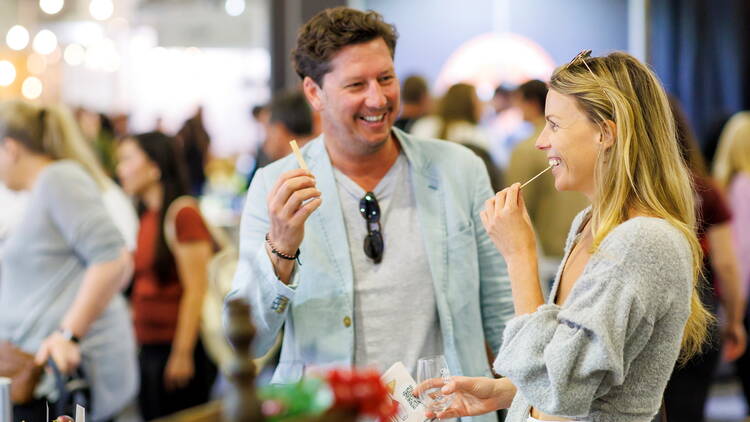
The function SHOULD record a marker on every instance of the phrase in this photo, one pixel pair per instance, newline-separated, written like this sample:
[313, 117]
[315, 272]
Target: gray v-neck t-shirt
[395, 312]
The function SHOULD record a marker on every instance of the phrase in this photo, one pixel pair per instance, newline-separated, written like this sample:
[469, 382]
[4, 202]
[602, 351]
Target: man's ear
[313, 93]
[609, 134]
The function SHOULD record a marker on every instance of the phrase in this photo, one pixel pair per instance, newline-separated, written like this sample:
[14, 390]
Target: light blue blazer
[472, 288]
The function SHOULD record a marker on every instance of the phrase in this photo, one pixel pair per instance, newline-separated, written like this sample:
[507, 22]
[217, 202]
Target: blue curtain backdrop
[701, 51]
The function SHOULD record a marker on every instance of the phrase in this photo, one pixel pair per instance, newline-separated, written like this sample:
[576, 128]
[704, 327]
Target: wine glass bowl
[432, 367]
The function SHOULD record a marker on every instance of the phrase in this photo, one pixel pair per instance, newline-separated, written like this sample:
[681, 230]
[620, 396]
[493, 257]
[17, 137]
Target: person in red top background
[687, 390]
[168, 285]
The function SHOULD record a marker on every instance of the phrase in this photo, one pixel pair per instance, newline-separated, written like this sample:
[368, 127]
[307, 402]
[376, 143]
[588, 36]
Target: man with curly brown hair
[395, 264]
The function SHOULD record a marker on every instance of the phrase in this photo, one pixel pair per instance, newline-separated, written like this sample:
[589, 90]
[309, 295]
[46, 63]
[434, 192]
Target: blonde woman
[64, 265]
[70, 144]
[732, 172]
[624, 303]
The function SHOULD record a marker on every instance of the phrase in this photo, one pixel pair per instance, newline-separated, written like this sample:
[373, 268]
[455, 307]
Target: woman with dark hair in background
[170, 279]
[194, 143]
[687, 390]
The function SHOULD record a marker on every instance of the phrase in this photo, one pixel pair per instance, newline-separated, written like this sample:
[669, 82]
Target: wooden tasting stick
[540, 173]
[298, 154]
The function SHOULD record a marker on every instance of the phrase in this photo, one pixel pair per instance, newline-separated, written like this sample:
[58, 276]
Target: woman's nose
[542, 141]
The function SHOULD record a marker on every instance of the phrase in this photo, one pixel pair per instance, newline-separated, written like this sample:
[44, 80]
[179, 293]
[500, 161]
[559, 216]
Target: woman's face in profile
[570, 137]
[134, 169]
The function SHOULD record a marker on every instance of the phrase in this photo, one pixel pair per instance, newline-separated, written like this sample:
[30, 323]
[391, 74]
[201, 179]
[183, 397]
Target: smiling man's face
[360, 97]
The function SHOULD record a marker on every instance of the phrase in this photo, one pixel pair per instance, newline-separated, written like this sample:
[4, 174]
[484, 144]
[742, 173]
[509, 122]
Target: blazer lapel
[328, 220]
[431, 212]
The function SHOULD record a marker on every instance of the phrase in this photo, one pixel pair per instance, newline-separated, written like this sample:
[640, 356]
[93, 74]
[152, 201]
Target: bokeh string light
[17, 38]
[7, 73]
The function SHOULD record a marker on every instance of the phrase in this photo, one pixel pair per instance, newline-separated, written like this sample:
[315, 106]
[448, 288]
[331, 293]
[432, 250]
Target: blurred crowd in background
[143, 162]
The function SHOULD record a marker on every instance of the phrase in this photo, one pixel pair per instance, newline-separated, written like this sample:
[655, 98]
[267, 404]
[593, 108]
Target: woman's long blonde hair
[643, 171]
[51, 131]
[733, 152]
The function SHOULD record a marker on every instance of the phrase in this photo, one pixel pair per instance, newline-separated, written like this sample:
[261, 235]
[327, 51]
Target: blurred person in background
[159, 125]
[14, 204]
[170, 281]
[456, 119]
[416, 102]
[74, 146]
[11, 211]
[732, 172]
[551, 211]
[687, 390]
[98, 129]
[529, 99]
[120, 123]
[194, 142]
[65, 263]
[119, 206]
[504, 126]
[260, 115]
[289, 117]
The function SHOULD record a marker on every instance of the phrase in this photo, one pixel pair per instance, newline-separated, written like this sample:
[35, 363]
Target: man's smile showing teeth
[373, 119]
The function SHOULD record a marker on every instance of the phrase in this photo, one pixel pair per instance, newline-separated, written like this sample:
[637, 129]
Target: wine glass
[434, 367]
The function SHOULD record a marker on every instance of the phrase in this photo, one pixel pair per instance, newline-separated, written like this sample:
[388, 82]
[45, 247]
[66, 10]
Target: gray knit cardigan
[607, 353]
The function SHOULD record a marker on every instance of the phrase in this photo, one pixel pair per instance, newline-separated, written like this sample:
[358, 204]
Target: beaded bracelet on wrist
[282, 255]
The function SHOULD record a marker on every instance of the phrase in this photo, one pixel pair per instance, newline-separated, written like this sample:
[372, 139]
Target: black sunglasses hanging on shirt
[370, 210]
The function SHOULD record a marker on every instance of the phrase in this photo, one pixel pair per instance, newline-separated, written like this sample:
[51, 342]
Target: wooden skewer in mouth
[553, 162]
